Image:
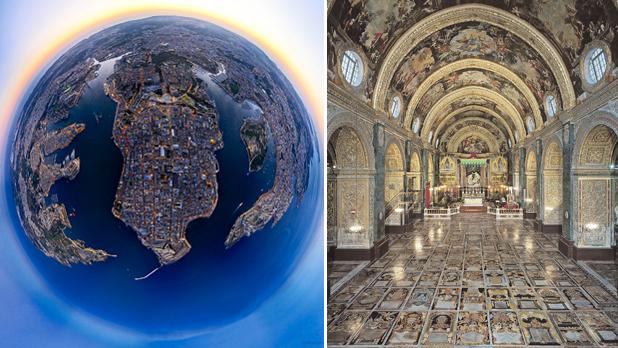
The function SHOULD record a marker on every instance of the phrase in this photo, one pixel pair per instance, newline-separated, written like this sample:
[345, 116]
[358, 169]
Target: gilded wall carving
[352, 208]
[593, 213]
[530, 193]
[349, 149]
[531, 163]
[552, 199]
[393, 182]
[392, 158]
[415, 163]
[552, 184]
[331, 208]
[598, 146]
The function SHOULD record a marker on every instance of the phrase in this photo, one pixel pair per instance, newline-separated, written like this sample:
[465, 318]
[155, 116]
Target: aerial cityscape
[166, 127]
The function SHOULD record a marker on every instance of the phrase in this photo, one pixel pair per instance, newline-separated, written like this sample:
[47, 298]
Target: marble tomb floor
[470, 281]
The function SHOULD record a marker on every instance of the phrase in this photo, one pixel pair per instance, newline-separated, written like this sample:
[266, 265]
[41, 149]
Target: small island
[253, 134]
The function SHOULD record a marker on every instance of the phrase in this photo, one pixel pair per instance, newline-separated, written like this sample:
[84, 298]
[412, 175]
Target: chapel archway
[595, 198]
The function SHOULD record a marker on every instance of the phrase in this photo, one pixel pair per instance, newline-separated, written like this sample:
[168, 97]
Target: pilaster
[522, 176]
[538, 150]
[378, 207]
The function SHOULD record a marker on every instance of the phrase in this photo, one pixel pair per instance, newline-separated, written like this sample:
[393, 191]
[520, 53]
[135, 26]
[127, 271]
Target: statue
[474, 179]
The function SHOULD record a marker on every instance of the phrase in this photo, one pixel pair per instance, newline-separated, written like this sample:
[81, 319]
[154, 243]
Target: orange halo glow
[311, 97]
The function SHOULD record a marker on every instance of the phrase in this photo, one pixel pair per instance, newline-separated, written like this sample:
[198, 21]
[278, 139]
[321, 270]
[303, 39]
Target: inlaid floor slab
[471, 281]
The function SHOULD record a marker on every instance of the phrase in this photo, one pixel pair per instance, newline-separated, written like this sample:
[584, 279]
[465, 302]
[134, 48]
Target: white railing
[440, 213]
[509, 213]
[491, 210]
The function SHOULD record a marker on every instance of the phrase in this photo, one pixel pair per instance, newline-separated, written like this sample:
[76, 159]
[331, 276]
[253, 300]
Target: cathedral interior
[472, 160]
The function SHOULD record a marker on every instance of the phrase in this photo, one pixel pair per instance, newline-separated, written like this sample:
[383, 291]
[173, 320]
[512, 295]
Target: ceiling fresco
[474, 77]
[473, 40]
[475, 118]
[374, 26]
[497, 138]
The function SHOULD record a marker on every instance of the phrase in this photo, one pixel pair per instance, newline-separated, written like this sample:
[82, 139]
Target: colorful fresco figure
[473, 144]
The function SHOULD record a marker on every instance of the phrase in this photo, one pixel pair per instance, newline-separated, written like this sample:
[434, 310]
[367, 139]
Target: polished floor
[470, 282]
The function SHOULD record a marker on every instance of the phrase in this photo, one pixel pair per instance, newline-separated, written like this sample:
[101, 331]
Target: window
[530, 124]
[551, 107]
[596, 65]
[352, 68]
[416, 124]
[395, 107]
[430, 136]
[508, 141]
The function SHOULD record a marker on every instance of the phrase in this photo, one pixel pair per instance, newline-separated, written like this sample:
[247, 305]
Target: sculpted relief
[349, 149]
[531, 193]
[593, 213]
[598, 146]
[552, 185]
[552, 192]
[353, 208]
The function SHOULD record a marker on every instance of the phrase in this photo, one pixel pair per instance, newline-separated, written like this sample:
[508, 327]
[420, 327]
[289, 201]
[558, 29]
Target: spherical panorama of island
[166, 176]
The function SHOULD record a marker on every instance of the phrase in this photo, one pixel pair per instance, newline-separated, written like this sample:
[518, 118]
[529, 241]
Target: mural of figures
[473, 145]
[375, 25]
[474, 40]
[473, 77]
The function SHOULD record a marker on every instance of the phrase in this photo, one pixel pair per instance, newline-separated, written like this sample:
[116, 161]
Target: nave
[471, 281]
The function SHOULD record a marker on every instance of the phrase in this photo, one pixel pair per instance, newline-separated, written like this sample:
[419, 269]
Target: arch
[597, 149]
[393, 158]
[394, 170]
[414, 180]
[597, 118]
[552, 156]
[363, 130]
[470, 63]
[483, 109]
[530, 162]
[448, 164]
[349, 150]
[415, 162]
[477, 92]
[484, 134]
[594, 151]
[482, 120]
[467, 13]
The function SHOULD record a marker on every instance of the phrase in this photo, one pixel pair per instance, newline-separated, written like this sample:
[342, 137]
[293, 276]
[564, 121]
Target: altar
[473, 202]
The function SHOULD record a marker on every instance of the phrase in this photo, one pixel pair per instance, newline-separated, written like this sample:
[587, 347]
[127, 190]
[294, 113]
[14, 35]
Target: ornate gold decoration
[477, 92]
[531, 164]
[393, 160]
[349, 149]
[465, 132]
[471, 63]
[598, 146]
[446, 119]
[467, 13]
[552, 183]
